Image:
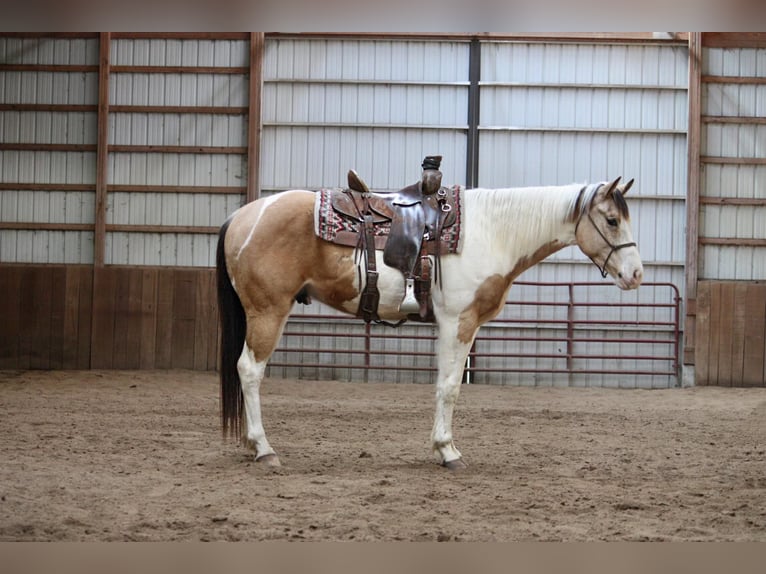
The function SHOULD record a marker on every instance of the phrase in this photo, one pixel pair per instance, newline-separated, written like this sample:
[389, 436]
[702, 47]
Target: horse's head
[603, 233]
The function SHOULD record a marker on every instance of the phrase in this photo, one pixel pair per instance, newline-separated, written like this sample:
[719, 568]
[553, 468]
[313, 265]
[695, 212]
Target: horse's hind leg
[263, 332]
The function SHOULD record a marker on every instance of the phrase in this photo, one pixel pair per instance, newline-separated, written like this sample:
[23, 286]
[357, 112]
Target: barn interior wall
[181, 148]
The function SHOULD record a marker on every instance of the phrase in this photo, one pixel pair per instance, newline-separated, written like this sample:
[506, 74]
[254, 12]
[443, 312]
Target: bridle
[613, 247]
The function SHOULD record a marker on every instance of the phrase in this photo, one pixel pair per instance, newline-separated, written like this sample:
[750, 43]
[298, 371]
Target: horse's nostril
[619, 275]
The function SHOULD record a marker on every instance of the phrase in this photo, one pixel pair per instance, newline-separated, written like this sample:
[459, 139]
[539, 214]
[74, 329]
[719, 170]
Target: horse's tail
[233, 329]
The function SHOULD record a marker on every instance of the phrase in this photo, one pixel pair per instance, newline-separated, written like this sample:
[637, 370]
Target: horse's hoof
[269, 459]
[455, 465]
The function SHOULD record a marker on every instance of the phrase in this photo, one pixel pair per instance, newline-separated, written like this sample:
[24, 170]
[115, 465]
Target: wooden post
[694, 142]
[102, 152]
[254, 117]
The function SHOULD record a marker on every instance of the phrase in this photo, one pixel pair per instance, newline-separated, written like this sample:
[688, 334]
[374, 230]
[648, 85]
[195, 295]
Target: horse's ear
[611, 186]
[625, 187]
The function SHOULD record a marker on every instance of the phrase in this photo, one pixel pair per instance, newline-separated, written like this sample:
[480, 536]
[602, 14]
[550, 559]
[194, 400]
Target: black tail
[233, 329]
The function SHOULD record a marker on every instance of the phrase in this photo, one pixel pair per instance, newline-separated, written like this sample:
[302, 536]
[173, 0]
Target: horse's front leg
[451, 356]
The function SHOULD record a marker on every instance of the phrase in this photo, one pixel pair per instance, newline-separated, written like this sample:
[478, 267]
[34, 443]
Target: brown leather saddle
[416, 216]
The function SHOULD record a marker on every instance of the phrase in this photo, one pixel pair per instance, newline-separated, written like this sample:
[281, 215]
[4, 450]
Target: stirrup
[409, 304]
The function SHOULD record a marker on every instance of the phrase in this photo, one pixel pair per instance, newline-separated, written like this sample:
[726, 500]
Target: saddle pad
[335, 228]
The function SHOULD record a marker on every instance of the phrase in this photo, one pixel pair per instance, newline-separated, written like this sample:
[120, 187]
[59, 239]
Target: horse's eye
[612, 221]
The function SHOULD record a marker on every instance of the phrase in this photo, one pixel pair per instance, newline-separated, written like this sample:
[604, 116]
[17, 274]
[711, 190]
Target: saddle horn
[357, 183]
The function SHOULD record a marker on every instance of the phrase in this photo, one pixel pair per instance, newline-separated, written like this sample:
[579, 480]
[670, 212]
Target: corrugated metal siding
[47, 167]
[739, 139]
[560, 113]
[198, 129]
[375, 106]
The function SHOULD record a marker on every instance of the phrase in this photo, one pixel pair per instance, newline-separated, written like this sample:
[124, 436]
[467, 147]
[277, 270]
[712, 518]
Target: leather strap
[368, 302]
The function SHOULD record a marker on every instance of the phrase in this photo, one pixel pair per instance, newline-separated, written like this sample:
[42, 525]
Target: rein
[614, 248]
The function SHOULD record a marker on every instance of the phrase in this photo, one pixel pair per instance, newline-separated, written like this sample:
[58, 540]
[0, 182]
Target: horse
[268, 256]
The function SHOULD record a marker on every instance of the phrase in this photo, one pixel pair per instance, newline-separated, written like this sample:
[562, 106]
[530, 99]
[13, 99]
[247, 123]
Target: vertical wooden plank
[135, 319]
[738, 333]
[212, 353]
[202, 321]
[41, 316]
[71, 317]
[27, 314]
[702, 334]
[714, 347]
[754, 371]
[148, 318]
[58, 310]
[164, 319]
[121, 301]
[10, 311]
[85, 318]
[726, 329]
[102, 346]
[184, 298]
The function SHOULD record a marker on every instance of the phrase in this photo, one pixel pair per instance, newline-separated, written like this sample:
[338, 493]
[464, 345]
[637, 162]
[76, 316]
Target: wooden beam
[254, 124]
[733, 160]
[734, 79]
[221, 110]
[180, 35]
[744, 120]
[47, 147]
[176, 149]
[733, 241]
[47, 108]
[179, 70]
[194, 229]
[225, 190]
[102, 153]
[749, 201]
[694, 141]
[13, 186]
[734, 39]
[71, 68]
[45, 226]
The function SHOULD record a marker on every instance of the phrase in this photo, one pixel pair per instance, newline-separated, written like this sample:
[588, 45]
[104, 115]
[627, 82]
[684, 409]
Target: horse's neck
[521, 226]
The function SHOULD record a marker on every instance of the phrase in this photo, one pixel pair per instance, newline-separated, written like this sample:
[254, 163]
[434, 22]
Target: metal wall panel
[65, 166]
[375, 106]
[553, 114]
[193, 130]
[733, 154]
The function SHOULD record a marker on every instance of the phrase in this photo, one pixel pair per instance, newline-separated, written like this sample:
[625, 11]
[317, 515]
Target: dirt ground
[121, 456]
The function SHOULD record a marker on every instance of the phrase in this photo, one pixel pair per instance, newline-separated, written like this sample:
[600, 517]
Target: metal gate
[549, 334]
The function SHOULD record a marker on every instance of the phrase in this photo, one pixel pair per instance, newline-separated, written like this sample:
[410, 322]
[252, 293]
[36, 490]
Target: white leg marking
[251, 374]
[451, 355]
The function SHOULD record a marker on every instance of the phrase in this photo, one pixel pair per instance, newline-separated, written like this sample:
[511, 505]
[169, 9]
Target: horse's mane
[533, 211]
[510, 214]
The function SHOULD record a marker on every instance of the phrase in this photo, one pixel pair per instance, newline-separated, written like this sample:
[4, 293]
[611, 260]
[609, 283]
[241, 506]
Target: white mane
[525, 218]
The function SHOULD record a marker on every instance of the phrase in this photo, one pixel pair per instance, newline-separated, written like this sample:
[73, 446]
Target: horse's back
[272, 249]
[270, 216]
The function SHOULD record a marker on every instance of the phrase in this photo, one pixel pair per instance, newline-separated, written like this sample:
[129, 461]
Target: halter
[609, 243]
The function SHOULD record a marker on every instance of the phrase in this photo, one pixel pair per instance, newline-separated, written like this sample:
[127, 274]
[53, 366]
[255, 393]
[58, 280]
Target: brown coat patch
[491, 294]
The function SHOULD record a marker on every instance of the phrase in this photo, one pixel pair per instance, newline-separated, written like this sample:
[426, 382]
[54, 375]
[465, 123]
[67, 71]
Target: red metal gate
[558, 330]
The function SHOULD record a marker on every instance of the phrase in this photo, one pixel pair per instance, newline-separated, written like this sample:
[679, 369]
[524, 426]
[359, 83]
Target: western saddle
[416, 214]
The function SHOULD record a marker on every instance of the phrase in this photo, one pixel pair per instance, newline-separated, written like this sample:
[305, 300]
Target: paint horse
[268, 253]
